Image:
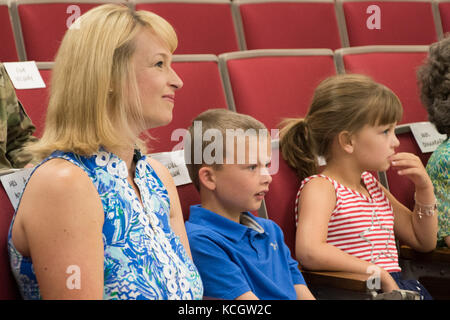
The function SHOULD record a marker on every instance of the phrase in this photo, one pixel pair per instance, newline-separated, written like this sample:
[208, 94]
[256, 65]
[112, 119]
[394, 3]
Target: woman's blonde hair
[340, 103]
[94, 98]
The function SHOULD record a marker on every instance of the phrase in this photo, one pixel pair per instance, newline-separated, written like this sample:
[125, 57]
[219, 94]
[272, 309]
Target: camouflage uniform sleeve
[16, 128]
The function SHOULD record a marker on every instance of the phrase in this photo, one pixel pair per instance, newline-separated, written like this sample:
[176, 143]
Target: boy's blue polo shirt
[233, 259]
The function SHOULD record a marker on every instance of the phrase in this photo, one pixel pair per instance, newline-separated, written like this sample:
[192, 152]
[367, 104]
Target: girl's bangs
[385, 108]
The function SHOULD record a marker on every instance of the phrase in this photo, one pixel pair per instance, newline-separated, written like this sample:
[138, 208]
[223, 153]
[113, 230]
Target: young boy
[238, 255]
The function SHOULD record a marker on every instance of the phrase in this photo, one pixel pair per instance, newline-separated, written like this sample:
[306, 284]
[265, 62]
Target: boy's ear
[345, 140]
[207, 177]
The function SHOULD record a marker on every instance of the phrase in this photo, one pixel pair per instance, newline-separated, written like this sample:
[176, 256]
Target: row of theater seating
[33, 29]
[269, 85]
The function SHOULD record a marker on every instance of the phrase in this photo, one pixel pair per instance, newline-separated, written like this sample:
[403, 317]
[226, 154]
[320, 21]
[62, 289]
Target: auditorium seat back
[290, 24]
[188, 196]
[280, 200]
[393, 66]
[43, 23]
[8, 51]
[274, 84]
[202, 26]
[8, 287]
[387, 22]
[443, 10]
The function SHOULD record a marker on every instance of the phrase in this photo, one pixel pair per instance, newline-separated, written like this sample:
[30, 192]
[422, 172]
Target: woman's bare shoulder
[59, 175]
[59, 196]
[59, 184]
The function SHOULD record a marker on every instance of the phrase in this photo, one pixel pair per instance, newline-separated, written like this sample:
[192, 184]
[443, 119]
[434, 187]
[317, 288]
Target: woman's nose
[176, 81]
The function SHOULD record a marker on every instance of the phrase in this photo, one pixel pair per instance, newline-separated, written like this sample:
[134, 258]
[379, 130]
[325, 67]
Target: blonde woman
[97, 219]
[346, 220]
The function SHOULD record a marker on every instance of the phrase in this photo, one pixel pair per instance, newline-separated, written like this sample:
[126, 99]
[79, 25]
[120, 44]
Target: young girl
[347, 221]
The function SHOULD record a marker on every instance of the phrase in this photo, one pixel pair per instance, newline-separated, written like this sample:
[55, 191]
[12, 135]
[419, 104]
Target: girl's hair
[94, 98]
[434, 82]
[340, 103]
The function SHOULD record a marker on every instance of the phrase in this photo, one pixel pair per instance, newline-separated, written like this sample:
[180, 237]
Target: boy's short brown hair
[218, 119]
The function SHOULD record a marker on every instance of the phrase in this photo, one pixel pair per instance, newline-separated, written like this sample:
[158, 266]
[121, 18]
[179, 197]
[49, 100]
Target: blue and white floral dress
[144, 259]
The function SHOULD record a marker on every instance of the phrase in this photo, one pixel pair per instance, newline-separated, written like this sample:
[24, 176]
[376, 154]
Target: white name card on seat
[426, 135]
[174, 161]
[14, 183]
[24, 75]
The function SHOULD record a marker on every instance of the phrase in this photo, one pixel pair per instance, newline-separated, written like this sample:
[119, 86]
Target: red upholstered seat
[8, 287]
[189, 196]
[44, 25]
[289, 25]
[280, 200]
[393, 66]
[401, 22]
[8, 51]
[444, 12]
[274, 84]
[202, 26]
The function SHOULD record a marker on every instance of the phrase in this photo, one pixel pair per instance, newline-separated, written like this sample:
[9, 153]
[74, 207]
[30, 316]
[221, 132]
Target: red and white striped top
[362, 226]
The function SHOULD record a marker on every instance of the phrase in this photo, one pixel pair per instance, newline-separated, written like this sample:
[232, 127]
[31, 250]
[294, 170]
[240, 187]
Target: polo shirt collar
[226, 227]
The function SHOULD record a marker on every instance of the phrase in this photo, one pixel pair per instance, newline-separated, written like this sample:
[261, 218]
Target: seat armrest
[337, 279]
[437, 255]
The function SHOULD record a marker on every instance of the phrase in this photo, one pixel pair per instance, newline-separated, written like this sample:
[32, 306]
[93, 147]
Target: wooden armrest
[337, 279]
[437, 255]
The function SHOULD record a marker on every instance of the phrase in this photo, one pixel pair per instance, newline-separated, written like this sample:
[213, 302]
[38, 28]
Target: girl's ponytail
[298, 148]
